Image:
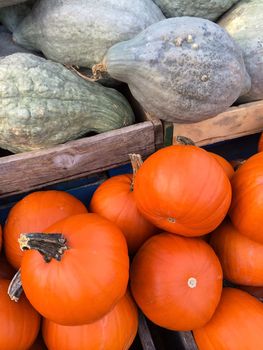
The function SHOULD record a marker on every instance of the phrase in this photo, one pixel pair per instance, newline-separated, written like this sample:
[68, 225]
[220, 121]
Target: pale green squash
[43, 104]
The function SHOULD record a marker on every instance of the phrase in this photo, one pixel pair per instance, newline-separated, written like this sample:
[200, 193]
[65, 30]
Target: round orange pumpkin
[240, 257]
[225, 164]
[260, 143]
[114, 331]
[236, 324]
[176, 281]
[19, 321]
[115, 201]
[88, 279]
[246, 211]
[34, 213]
[182, 189]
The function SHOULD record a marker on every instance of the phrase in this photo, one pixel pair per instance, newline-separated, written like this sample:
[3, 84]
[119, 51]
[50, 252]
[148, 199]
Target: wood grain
[31, 170]
[238, 121]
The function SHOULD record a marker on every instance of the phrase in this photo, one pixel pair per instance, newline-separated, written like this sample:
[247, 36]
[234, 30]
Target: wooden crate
[242, 120]
[28, 171]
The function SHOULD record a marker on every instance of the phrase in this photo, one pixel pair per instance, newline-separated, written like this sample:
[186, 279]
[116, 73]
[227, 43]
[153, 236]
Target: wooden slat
[187, 340]
[144, 334]
[31, 170]
[238, 121]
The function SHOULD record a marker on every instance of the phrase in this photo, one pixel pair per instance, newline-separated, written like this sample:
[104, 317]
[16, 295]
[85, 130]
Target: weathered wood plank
[144, 334]
[31, 170]
[238, 121]
[187, 340]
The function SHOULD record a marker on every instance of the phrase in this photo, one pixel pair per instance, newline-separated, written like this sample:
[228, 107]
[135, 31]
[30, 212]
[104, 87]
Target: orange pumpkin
[260, 143]
[115, 201]
[246, 211]
[225, 164]
[176, 281]
[236, 324]
[34, 213]
[114, 331]
[19, 321]
[182, 189]
[84, 278]
[240, 257]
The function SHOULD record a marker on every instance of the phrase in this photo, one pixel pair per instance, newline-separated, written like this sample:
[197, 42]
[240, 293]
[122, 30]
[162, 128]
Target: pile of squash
[163, 239]
[65, 65]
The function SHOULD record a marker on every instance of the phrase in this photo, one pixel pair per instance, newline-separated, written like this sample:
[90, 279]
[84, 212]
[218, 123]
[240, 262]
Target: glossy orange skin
[89, 280]
[115, 201]
[182, 189]
[160, 273]
[34, 213]
[6, 270]
[225, 164]
[246, 211]
[114, 331]
[260, 143]
[240, 257]
[237, 324]
[19, 321]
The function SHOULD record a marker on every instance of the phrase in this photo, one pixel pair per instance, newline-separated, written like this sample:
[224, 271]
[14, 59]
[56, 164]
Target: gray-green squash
[4, 3]
[182, 69]
[245, 24]
[11, 16]
[209, 9]
[79, 32]
[43, 104]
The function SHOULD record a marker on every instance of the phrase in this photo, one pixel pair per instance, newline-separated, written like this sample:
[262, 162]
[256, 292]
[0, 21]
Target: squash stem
[136, 162]
[97, 69]
[182, 140]
[15, 288]
[51, 245]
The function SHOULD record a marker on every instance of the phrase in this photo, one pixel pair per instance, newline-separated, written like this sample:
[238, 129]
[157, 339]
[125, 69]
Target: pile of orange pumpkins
[162, 239]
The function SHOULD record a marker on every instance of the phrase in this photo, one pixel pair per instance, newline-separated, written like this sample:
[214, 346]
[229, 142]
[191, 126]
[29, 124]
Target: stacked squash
[178, 64]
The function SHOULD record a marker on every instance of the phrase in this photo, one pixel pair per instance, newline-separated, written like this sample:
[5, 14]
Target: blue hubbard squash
[197, 8]
[182, 69]
[244, 22]
[80, 33]
[44, 104]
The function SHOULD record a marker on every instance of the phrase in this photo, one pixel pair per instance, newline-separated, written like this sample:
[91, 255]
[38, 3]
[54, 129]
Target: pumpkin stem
[15, 288]
[51, 245]
[136, 162]
[97, 69]
[182, 140]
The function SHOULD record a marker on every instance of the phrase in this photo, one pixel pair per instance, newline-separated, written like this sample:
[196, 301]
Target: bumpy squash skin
[245, 24]
[197, 8]
[4, 3]
[52, 24]
[8, 47]
[44, 104]
[181, 69]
